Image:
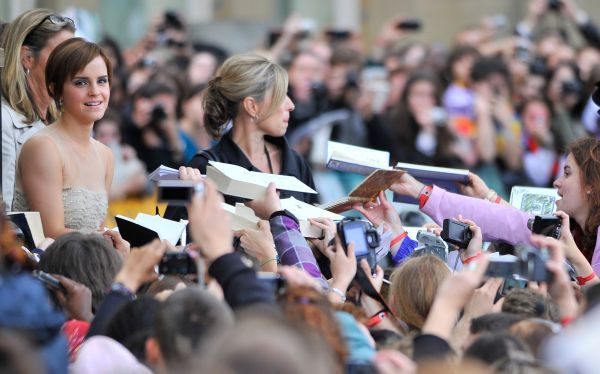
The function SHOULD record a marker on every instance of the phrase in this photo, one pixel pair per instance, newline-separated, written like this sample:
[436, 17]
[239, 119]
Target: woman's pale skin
[250, 128]
[85, 99]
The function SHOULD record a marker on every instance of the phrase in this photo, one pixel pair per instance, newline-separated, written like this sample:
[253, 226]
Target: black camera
[548, 225]
[554, 5]
[457, 233]
[571, 87]
[177, 263]
[365, 237]
[409, 24]
[528, 263]
[178, 192]
[275, 282]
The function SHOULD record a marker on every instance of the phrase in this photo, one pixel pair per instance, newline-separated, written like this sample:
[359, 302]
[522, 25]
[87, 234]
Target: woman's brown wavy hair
[586, 153]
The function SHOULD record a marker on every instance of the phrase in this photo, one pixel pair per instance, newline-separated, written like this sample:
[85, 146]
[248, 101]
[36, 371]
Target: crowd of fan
[510, 108]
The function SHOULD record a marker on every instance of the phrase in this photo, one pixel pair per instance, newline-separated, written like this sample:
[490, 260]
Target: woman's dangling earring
[27, 72]
[60, 106]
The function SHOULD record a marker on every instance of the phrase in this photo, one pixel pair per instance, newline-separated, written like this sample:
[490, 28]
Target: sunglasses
[56, 20]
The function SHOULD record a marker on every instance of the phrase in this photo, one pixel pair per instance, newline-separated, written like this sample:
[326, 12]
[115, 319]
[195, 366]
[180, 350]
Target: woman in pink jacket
[578, 187]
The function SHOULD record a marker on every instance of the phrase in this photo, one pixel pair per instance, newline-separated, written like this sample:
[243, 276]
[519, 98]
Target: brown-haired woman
[26, 106]
[414, 286]
[62, 172]
[247, 107]
[579, 191]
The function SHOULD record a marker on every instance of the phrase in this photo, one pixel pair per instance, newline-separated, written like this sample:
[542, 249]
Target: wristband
[398, 239]
[583, 280]
[339, 293]
[376, 318]
[424, 195]
[276, 259]
[472, 258]
[565, 321]
[498, 199]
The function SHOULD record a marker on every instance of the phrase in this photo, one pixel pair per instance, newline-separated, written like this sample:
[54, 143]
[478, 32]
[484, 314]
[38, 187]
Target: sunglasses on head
[56, 20]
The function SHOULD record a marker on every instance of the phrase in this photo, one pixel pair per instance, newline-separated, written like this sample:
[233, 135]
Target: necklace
[268, 159]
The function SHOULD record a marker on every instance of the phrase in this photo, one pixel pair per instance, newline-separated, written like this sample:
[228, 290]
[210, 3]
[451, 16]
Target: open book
[446, 178]
[234, 180]
[304, 212]
[241, 216]
[30, 224]
[353, 159]
[534, 200]
[145, 228]
[164, 173]
[367, 190]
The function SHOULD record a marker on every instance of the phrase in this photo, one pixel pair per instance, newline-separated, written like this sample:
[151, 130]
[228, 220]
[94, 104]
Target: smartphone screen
[511, 283]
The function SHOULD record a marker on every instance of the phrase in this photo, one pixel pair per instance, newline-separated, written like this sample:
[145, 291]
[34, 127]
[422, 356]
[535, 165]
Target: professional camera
[548, 225]
[457, 233]
[429, 243]
[528, 263]
[365, 237]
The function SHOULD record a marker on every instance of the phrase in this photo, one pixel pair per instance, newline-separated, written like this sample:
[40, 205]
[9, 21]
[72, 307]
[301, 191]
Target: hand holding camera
[342, 261]
[364, 237]
[76, 298]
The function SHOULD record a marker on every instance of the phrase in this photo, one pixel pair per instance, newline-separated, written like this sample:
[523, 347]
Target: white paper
[304, 211]
[165, 228]
[164, 173]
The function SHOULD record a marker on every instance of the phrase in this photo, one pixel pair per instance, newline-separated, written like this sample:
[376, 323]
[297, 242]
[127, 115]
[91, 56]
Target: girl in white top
[62, 171]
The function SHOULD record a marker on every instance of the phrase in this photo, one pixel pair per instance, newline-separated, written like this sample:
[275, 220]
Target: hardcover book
[367, 190]
[353, 159]
[234, 180]
[145, 228]
[446, 178]
[30, 224]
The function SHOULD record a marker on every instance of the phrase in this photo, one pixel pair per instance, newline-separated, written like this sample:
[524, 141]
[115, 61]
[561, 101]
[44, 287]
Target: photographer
[152, 128]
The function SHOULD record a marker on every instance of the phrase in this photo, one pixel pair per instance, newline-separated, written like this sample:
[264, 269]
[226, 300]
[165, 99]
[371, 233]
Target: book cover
[534, 200]
[446, 178]
[367, 190]
[236, 181]
[136, 234]
[30, 224]
[354, 159]
[165, 229]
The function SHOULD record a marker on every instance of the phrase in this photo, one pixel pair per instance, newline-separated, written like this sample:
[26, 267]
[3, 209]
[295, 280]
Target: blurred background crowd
[500, 93]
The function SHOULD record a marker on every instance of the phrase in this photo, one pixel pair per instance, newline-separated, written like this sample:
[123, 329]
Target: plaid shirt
[292, 248]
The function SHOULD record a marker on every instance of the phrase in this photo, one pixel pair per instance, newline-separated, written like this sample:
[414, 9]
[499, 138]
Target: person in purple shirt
[578, 187]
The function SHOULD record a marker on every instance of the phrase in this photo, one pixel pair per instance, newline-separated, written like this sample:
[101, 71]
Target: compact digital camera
[365, 237]
[457, 233]
[177, 263]
[548, 225]
[528, 263]
[429, 243]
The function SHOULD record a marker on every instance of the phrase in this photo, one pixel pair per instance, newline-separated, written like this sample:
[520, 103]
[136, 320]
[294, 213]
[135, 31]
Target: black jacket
[228, 152]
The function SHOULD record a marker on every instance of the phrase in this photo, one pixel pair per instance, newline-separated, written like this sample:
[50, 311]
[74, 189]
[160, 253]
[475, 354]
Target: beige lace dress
[84, 195]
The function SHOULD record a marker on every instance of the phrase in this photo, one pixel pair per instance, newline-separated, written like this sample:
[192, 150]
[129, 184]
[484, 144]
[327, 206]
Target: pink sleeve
[497, 222]
[596, 256]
